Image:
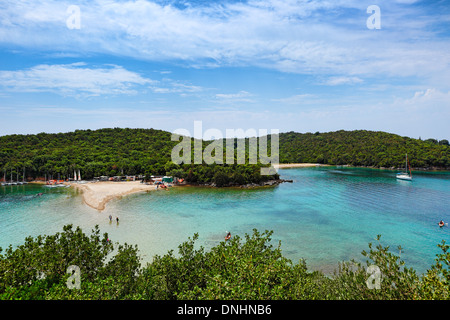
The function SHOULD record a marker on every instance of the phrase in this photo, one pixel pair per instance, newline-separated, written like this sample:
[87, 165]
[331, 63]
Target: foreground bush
[250, 268]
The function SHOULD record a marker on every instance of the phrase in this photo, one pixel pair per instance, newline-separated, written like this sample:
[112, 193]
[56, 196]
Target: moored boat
[405, 175]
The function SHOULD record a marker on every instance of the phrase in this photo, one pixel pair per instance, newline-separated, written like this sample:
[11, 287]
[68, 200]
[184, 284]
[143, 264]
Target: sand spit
[97, 194]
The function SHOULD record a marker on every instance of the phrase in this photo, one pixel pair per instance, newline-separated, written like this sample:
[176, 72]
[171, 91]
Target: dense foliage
[236, 269]
[111, 152]
[363, 148]
[94, 152]
[127, 151]
[221, 175]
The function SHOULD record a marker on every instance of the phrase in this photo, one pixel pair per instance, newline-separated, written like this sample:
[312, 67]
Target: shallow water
[325, 216]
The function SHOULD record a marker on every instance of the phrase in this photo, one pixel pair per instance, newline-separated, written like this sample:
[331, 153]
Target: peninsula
[97, 194]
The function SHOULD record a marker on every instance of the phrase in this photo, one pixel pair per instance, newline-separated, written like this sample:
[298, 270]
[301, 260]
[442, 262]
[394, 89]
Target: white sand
[97, 194]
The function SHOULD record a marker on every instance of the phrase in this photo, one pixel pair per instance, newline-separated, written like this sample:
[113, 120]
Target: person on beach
[117, 220]
[228, 237]
[110, 218]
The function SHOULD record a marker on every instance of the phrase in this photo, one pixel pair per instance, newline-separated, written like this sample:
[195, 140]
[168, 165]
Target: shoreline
[417, 169]
[97, 194]
[308, 165]
[298, 165]
[269, 183]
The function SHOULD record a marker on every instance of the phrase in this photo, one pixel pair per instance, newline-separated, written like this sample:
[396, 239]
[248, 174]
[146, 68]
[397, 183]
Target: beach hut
[167, 179]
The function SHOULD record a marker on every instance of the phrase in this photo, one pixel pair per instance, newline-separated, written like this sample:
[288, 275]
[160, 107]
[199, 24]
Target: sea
[327, 215]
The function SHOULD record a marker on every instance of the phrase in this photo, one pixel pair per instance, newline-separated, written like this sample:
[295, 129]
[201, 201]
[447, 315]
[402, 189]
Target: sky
[286, 65]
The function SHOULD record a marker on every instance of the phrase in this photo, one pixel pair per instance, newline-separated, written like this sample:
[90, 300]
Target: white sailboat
[405, 175]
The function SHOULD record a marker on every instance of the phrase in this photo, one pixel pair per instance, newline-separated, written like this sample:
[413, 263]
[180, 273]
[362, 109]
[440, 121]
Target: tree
[395, 281]
[221, 179]
[240, 268]
[45, 259]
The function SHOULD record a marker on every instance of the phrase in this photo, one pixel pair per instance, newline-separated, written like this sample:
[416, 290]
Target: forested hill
[95, 152]
[363, 148]
[148, 151]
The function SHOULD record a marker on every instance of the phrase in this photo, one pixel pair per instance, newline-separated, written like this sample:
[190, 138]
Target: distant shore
[306, 165]
[297, 165]
[98, 194]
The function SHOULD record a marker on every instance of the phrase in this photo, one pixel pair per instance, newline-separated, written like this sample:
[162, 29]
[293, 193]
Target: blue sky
[291, 65]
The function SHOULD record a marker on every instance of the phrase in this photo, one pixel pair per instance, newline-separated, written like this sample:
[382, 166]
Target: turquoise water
[325, 216]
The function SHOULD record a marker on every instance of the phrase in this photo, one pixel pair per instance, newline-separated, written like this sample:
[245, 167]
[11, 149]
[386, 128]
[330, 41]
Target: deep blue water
[327, 215]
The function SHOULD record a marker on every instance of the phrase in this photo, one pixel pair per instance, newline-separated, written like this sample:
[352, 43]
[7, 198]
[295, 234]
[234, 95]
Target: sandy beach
[97, 194]
[296, 165]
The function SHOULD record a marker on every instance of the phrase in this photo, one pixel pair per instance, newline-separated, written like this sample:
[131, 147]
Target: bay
[327, 215]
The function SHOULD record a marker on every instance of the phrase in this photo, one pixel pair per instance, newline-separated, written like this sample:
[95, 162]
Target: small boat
[405, 175]
[59, 185]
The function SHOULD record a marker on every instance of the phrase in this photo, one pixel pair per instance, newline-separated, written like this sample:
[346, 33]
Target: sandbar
[97, 194]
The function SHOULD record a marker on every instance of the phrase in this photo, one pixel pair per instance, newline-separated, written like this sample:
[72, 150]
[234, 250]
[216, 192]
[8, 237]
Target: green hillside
[94, 152]
[148, 151]
[363, 148]
[111, 152]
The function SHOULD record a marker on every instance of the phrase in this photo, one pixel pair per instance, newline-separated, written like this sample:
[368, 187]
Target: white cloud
[406, 1]
[425, 103]
[73, 80]
[335, 81]
[424, 113]
[328, 40]
[311, 37]
[296, 99]
[174, 86]
[241, 96]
